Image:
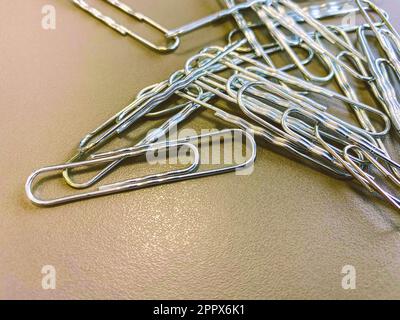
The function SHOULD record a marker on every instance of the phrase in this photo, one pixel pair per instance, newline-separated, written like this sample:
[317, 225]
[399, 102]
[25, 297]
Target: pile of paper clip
[285, 106]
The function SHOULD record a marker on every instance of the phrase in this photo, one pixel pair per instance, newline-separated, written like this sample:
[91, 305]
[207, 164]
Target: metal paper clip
[173, 45]
[189, 172]
[107, 189]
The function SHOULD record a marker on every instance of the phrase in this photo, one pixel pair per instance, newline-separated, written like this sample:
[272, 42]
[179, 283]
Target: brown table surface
[285, 231]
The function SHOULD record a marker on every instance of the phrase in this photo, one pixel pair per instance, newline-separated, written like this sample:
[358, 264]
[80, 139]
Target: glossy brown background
[286, 231]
